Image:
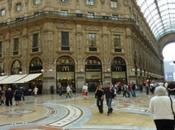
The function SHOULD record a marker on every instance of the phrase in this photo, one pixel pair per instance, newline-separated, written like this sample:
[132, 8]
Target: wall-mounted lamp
[50, 70]
[81, 70]
[2, 73]
[108, 70]
[42, 70]
[133, 69]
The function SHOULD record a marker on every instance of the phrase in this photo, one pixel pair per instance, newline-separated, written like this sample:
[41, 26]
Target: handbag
[172, 107]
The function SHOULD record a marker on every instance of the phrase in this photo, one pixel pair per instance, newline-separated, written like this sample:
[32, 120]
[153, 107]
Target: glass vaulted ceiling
[160, 15]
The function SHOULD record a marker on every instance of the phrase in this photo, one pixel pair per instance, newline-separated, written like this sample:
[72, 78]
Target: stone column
[49, 63]
[80, 72]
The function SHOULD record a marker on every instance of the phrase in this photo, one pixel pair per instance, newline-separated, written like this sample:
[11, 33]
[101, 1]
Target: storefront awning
[2, 77]
[28, 78]
[12, 79]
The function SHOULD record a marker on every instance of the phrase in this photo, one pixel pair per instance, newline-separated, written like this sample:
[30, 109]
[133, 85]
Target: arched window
[65, 72]
[118, 69]
[35, 65]
[93, 73]
[16, 67]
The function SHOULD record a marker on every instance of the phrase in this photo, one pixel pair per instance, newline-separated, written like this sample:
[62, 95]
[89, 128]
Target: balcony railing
[35, 49]
[92, 49]
[15, 53]
[65, 48]
[117, 49]
[59, 14]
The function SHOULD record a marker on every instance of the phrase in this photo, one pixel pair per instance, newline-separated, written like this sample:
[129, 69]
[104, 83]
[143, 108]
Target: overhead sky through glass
[160, 15]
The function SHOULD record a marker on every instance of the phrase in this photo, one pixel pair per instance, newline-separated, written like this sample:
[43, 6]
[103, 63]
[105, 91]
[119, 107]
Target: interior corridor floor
[54, 112]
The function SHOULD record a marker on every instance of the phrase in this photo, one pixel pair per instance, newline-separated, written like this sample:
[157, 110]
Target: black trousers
[164, 124]
[100, 105]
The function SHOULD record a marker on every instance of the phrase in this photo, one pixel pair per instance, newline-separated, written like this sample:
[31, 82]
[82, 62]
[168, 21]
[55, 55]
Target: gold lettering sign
[93, 75]
[118, 74]
[65, 75]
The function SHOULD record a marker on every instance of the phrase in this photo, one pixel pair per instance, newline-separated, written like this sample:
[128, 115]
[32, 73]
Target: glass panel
[160, 23]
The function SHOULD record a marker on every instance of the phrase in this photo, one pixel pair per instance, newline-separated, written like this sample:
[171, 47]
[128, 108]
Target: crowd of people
[162, 103]
[8, 95]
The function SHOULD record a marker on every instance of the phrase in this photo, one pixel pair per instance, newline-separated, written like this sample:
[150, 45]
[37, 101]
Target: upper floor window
[36, 2]
[0, 48]
[35, 42]
[15, 46]
[117, 41]
[90, 2]
[64, 1]
[64, 13]
[92, 39]
[2, 12]
[64, 40]
[18, 7]
[114, 3]
[91, 15]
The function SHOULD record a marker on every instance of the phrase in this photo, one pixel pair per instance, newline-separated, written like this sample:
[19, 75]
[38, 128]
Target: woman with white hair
[160, 106]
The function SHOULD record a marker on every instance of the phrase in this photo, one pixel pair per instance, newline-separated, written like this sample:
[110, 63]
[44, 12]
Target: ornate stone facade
[78, 41]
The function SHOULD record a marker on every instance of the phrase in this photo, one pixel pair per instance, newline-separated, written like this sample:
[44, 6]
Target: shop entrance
[118, 70]
[65, 74]
[93, 72]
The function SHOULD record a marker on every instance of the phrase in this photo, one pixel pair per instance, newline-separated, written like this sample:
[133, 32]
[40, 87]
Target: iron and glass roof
[160, 15]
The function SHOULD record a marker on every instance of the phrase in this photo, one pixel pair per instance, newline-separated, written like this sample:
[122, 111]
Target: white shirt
[85, 88]
[160, 106]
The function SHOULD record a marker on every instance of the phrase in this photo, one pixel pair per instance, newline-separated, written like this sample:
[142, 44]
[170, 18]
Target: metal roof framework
[160, 15]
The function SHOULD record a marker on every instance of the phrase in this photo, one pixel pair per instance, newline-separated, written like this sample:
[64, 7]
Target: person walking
[18, 96]
[8, 97]
[35, 90]
[99, 94]
[171, 89]
[109, 94]
[85, 91]
[68, 91]
[160, 106]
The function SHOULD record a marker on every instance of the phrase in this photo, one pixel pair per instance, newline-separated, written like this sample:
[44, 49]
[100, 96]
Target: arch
[118, 70]
[165, 40]
[16, 67]
[93, 72]
[35, 65]
[65, 73]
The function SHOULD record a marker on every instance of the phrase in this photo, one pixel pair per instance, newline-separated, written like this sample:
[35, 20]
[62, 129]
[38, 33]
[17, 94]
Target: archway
[93, 72]
[65, 74]
[118, 70]
[16, 67]
[169, 64]
[35, 65]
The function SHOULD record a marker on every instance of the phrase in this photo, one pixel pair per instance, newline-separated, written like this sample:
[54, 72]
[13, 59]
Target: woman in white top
[160, 106]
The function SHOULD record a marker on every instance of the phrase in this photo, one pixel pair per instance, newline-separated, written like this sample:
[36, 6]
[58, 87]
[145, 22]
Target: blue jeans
[109, 104]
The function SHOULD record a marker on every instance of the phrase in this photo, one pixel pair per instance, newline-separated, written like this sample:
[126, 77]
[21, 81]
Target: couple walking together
[109, 92]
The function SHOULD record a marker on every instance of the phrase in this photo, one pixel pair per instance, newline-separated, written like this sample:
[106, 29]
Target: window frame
[114, 4]
[2, 12]
[90, 2]
[17, 9]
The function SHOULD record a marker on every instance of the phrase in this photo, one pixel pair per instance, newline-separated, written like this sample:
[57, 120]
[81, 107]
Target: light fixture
[42, 70]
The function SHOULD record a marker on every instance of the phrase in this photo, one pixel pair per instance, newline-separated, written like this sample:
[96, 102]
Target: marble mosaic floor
[52, 112]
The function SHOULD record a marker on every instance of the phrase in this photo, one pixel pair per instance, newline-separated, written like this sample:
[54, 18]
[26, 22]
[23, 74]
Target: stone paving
[51, 112]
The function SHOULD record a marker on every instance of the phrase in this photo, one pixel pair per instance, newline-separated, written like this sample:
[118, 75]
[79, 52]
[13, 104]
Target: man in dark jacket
[8, 97]
[109, 93]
